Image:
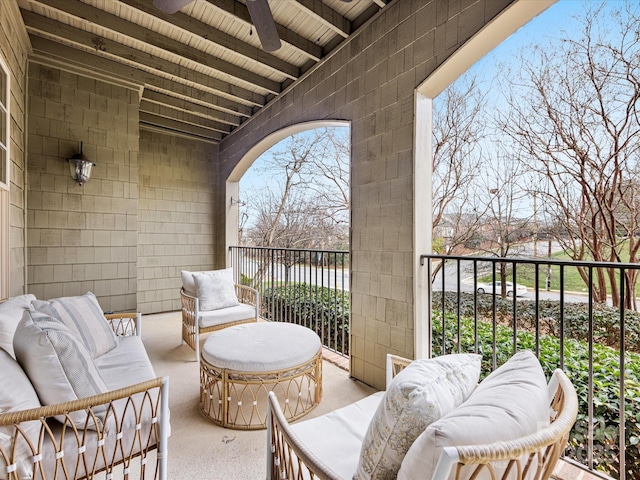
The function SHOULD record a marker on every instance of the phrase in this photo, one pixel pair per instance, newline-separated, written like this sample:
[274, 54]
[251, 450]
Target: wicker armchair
[195, 322]
[288, 457]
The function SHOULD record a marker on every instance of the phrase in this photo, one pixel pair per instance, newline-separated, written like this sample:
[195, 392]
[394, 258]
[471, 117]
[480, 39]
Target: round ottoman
[240, 365]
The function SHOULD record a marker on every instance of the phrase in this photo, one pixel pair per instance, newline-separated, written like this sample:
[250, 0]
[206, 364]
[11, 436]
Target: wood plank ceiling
[202, 69]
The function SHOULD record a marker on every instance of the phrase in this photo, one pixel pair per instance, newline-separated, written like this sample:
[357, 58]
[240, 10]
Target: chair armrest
[125, 324]
[287, 457]
[395, 365]
[248, 296]
[135, 422]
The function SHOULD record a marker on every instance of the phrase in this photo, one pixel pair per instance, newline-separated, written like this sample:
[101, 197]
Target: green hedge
[606, 373]
[606, 320]
[324, 310]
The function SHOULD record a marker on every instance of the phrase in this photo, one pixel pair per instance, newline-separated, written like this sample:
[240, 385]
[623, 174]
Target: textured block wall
[82, 238]
[14, 47]
[176, 216]
[370, 81]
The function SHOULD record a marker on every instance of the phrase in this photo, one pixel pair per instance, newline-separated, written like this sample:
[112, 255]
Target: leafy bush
[606, 381]
[606, 319]
[324, 310]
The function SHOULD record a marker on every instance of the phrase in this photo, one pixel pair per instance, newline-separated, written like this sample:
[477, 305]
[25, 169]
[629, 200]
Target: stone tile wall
[371, 81]
[82, 238]
[176, 216]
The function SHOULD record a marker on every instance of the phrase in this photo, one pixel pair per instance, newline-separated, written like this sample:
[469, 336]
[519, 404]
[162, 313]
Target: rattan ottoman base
[238, 399]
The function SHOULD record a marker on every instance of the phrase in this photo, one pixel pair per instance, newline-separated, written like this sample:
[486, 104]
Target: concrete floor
[198, 449]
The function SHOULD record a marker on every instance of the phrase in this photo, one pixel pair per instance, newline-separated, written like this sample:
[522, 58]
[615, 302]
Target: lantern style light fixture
[80, 167]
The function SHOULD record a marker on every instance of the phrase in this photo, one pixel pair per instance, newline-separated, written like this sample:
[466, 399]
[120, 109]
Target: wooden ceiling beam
[177, 126]
[298, 42]
[116, 24]
[91, 62]
[224, 40]
[190, 107]
[176, 133]
[326, 15]
[181, 116]
[101, 46]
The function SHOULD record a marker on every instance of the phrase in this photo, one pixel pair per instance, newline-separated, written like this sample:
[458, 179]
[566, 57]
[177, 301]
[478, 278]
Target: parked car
[521, 290]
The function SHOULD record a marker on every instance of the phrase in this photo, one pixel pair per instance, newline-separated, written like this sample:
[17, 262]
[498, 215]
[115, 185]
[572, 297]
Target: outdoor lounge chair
[195, 320]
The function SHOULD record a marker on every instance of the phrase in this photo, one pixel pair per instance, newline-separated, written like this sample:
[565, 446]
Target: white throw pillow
[17, 394]
[10, 315]
[511, 402]
[419, 395]
[215, 289]
[57, 363]
[83, 316]
[188, 284]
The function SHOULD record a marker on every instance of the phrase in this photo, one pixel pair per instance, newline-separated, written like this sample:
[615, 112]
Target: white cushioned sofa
[434, 422]
[79, 395]
[212, 301]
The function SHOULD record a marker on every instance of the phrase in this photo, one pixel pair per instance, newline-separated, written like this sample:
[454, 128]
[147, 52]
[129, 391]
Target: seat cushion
[125, 365]
[10, 315]
[83, 316]
[511, 402]
[258, 347]
[335, 438]
[215, 289]
[57, 363]
[419, 395]
[213, 318]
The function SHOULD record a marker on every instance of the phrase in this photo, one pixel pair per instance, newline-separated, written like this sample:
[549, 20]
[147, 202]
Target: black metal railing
[306, 287]
[567, 320]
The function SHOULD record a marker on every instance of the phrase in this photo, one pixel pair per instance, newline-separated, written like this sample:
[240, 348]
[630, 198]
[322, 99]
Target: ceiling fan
[260, 16]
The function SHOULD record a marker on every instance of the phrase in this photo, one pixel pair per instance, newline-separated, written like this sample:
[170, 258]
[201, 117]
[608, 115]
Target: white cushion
[17, 394]
[216, 289]
[511, 402]
[126, 365]
[260, 347]
[335, 438]
[83, 316]
[212, 318]
[419, 395]
[10, 315]
[57, 363]
[188, 284]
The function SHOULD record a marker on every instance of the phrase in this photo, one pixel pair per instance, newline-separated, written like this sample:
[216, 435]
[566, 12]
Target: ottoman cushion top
[261, 347]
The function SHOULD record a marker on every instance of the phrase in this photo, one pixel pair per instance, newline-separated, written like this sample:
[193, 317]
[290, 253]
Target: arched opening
[233, 181]
[509, 21]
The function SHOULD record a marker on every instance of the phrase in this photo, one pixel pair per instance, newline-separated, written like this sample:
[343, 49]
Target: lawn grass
[525, 275]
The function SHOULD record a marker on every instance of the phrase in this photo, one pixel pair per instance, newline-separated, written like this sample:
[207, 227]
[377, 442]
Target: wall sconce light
[80, 167]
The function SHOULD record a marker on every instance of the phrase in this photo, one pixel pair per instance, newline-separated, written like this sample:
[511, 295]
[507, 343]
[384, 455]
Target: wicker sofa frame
[126, 430]
[191, 315]
[288, 458]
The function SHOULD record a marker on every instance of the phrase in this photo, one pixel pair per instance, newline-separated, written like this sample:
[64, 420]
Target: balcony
[596, 343]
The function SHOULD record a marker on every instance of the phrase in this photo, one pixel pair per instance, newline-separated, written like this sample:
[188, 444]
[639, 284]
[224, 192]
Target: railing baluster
[590, 394]
[622, 346]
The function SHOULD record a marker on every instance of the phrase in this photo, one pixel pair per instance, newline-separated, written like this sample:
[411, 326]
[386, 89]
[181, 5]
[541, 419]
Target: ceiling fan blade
[265, 25]
[170, 6]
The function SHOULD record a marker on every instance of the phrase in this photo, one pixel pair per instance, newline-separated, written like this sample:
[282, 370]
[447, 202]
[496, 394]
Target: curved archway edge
[232, 186]
[270, 140]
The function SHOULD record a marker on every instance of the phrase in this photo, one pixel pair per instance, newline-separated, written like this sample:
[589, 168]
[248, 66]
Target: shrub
[324, 310]
[606, 381]
[606, 319]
